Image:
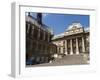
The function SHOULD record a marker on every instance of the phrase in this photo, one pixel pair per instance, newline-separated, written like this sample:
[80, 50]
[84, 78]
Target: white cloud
[45, 15]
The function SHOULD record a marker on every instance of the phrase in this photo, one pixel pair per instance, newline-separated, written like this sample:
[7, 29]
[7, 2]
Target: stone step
[70, 59]
[66, 60]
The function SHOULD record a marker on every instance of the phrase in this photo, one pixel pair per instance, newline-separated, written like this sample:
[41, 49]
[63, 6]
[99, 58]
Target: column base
[65, 53]
[71, 53]
[77, 53]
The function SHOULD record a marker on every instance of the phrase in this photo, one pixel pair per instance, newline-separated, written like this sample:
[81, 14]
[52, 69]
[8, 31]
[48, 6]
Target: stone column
[33, 31]
[58, 50]
[83, 45]
[71, 48]
[45, 49]
[44, 36]
[77, 48]
[48, 36]
[66, 47]
[28, 28]
[36, 47]
[38, 33]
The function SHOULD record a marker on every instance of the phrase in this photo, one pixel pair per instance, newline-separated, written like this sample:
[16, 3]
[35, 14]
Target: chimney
[28, 13]
[39, 18]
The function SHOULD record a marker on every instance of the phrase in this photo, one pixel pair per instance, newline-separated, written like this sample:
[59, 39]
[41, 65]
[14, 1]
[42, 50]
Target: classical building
[75, 40]
[39, 47]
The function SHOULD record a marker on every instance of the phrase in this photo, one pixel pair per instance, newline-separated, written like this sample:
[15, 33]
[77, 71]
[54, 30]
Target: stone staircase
[66, 60]
[70, 60]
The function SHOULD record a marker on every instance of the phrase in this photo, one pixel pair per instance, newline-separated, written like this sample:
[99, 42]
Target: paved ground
[66, 60]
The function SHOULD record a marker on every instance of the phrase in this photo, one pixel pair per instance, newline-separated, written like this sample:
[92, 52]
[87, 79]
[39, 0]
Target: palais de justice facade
[75, 40]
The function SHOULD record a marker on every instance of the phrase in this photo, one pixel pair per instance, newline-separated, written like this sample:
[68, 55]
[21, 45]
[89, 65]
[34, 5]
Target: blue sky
[60, 22]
